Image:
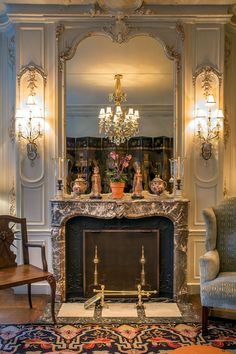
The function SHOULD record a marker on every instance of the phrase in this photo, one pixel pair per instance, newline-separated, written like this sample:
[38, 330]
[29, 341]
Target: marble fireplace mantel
[175, 209]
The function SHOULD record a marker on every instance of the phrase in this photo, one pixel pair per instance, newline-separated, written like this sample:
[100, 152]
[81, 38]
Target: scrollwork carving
[173, 54]
[59, 31]
[12, 125]
[119, 31]
[11, 51]
[12, 200]
[180, 30]
[6, 240]
[226, 127]
[32, 69]
[228, 50]
[207, 73]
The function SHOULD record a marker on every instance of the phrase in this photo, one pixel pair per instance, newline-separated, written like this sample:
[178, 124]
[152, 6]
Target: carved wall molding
[226, 127]
[228, 50]
[180, 30]
[32, 69]
[12, 126]
[119, 31]
[119, 6]
[11, 51]
[12, 200]
[207, 72]
[173, 54]
[59, 31]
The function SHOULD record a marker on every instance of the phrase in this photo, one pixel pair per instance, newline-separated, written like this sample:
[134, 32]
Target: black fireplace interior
[84, 233]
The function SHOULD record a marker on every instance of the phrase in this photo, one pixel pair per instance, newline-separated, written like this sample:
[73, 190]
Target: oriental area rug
[176, 338]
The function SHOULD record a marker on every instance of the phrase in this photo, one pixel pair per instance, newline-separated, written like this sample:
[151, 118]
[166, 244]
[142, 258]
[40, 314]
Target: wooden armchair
[12, 274]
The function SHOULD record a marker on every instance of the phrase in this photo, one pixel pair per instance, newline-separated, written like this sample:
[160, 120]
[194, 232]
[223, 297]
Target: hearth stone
[174, 209]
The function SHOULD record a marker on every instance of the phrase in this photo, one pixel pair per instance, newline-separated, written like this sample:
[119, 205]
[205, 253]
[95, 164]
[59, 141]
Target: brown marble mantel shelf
[66, 207]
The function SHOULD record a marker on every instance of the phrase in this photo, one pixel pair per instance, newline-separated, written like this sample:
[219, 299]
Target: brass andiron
[143, 261]
[96, 261]
[101, 293]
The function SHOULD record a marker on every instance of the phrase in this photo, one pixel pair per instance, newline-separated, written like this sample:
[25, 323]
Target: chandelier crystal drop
[118, 124]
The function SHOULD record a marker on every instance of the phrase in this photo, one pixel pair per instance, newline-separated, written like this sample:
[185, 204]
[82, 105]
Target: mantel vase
[117, 189]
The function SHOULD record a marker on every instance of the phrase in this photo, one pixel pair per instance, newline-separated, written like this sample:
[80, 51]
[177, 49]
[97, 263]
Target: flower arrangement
[119, 164]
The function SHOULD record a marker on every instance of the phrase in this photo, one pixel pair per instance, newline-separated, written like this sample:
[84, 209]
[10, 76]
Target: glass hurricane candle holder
[177, 172]
[59, 174]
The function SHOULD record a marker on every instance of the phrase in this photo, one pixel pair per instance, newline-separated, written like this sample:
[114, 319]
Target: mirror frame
[70, 35]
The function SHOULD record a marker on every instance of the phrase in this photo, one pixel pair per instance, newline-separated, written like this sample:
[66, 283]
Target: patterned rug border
[110, 338]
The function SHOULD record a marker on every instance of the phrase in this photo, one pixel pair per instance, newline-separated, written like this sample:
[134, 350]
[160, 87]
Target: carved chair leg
[29, 295]
[52, 282]
[205, 311]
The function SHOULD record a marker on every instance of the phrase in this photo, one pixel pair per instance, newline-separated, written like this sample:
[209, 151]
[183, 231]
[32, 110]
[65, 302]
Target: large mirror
[148, 82]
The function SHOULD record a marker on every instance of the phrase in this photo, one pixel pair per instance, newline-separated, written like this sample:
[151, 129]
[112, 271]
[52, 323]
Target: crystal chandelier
[118, 124]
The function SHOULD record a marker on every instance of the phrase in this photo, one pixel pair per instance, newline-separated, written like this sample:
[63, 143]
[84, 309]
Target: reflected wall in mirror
[147, 81]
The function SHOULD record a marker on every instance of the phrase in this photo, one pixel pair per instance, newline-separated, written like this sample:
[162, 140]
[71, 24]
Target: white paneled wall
[204, 180]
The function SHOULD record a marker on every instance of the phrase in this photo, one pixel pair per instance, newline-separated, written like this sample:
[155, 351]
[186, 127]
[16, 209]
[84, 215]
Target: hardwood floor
[15, 308]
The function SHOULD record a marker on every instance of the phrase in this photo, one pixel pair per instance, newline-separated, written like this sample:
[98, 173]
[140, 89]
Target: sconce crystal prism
[208, 125]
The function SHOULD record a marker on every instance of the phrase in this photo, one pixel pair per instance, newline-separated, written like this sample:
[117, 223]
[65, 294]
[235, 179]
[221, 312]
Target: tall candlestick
[178, 167]
[59, 168]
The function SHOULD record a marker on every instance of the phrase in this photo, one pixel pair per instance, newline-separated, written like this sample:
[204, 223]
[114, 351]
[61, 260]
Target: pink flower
[113, 155]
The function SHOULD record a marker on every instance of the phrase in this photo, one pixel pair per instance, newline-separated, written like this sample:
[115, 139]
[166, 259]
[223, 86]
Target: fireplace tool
[100, 295]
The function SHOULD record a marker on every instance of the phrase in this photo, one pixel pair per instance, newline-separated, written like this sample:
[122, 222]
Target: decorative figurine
[157, 185]
[137, 183]
[79, 186]
[96, 184]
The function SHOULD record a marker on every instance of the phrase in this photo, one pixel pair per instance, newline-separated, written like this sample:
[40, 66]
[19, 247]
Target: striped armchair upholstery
[218, 264]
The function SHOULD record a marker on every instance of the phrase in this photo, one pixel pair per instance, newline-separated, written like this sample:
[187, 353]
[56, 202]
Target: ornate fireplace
[74, 220]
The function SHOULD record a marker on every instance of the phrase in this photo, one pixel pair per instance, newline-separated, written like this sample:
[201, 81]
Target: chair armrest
[209, 265]
[43, 254]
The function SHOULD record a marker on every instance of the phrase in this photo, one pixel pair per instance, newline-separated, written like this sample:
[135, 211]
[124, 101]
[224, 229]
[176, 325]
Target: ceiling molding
[48, 13]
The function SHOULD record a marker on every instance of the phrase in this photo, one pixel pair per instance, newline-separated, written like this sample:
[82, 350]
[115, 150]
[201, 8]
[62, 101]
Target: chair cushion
[22, 274]
[220, 292]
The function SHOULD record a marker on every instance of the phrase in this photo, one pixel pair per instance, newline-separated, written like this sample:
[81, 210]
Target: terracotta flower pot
[117, 189]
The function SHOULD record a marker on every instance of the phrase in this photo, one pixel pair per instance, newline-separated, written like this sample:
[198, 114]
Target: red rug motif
[106, 339]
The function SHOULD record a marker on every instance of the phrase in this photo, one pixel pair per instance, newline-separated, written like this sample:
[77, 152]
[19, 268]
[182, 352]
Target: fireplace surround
[151, 207]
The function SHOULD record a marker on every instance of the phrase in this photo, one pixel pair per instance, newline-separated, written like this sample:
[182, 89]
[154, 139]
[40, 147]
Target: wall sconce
[208, 125]
[29, 125]
[30, 120]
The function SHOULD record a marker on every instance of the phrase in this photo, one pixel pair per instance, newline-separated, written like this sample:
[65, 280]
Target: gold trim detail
[180, 30]
[174, 55]
[207, 72]
[228, 50]
[12, 200]
[32, 69]
[59, 31]
[226, 127]
[12, 126]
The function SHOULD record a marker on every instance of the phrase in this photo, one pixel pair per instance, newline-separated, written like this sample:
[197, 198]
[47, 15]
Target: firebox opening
[119, 250]
[121, 259]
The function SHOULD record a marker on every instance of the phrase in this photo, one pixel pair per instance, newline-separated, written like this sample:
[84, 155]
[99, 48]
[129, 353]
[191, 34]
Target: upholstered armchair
[218, 265]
